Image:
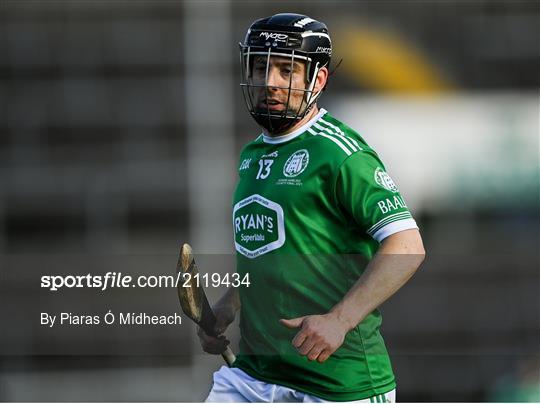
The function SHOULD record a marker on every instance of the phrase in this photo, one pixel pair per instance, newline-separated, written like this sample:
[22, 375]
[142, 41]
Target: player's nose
[272, 80]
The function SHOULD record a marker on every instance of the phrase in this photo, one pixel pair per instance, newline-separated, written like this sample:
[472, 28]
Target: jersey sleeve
[368, 194]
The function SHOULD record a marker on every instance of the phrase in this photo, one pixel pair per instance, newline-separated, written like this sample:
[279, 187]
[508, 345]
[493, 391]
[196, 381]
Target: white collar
[296, 132]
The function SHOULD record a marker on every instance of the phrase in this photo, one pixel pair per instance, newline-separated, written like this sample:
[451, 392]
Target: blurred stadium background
[120, 124]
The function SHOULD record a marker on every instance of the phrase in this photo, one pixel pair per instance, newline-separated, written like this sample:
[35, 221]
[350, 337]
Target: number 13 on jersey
[264, 169]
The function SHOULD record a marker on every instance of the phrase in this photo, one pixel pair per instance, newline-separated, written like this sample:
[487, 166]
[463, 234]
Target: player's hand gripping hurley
[193, 299]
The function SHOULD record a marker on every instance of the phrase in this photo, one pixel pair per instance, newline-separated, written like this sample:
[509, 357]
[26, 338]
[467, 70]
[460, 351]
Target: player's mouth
[272, 105]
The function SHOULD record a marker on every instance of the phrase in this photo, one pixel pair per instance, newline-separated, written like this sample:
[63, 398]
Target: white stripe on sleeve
[394, 227]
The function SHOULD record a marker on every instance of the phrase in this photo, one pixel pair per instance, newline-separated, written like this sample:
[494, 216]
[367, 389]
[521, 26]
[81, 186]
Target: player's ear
[321, 79]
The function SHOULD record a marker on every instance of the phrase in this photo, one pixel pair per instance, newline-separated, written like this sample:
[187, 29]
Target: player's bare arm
[397, 259]
[225, 311]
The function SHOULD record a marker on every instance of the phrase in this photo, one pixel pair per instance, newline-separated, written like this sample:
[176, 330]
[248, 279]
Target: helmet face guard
[256, 91]
[283, 36]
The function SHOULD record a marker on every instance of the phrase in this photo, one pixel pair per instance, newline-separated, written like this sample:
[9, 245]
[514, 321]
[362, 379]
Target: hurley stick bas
[193, 299]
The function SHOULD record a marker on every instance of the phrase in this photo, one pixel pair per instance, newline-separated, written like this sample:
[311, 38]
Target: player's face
[273, 95]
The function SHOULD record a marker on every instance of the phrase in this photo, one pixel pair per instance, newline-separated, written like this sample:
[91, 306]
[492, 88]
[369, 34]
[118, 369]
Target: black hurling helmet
[294, 36]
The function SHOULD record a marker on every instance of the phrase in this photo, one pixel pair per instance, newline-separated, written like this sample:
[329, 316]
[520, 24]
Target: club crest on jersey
[384, 180]
[296, 163]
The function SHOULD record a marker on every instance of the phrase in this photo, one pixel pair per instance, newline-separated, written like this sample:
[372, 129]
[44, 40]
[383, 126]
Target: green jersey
[308, 207]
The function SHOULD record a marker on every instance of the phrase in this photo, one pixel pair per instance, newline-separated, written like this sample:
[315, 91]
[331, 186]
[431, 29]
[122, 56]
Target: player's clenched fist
[319, 335]
[216, 345]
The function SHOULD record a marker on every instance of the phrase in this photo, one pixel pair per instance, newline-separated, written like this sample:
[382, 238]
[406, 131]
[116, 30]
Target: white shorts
[232, 385]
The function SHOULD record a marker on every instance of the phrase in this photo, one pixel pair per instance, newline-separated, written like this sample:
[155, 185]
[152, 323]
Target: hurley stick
[193, 299]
